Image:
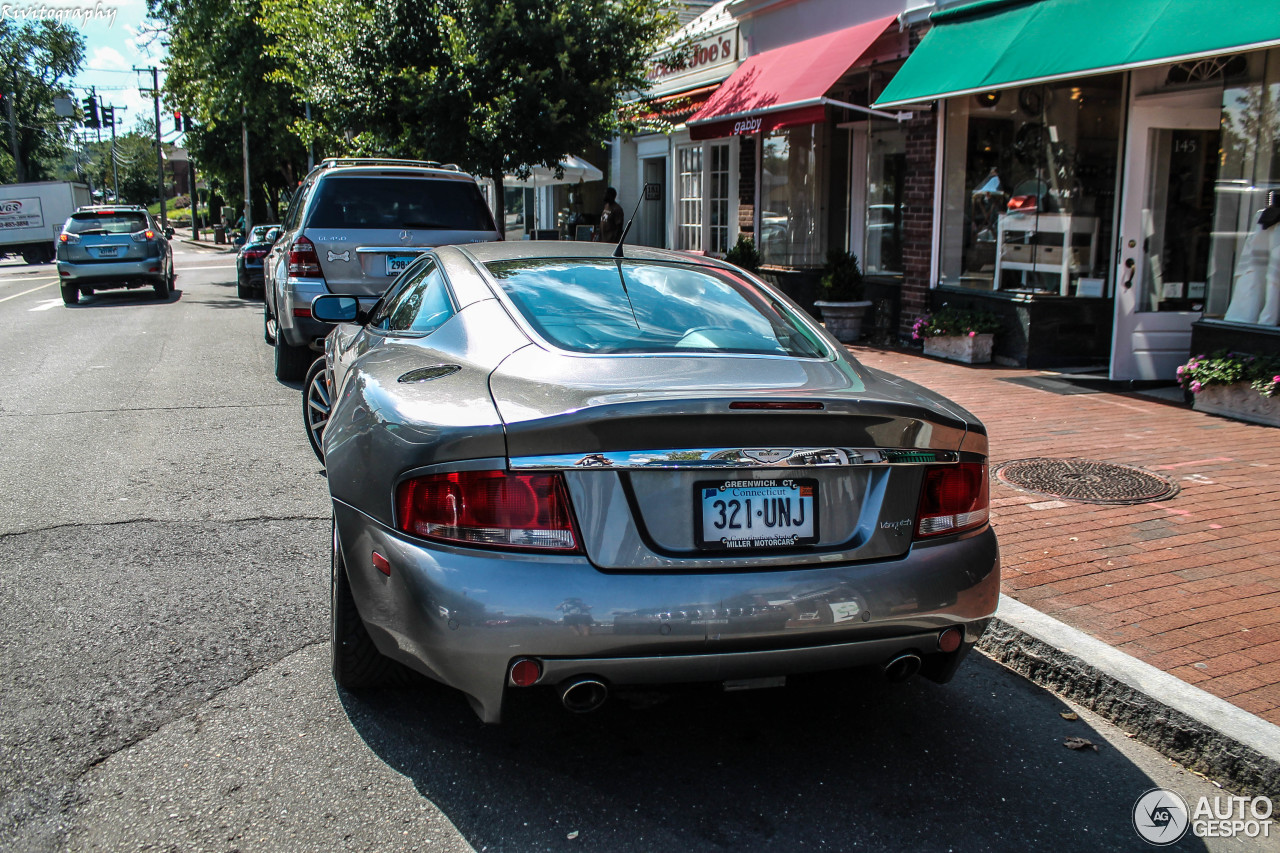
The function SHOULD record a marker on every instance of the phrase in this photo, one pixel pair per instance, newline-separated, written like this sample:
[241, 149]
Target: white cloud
[107, 58]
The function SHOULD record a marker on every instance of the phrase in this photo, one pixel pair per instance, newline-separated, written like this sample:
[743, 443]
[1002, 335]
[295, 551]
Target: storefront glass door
[1167, 222]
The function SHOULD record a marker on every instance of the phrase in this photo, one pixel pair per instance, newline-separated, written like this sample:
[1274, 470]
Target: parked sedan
[249, 260]
[555, 469]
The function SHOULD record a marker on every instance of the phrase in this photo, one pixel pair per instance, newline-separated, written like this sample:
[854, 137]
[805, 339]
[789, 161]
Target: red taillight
[302, 259]
[953, 498]
[494, 509]
[255, 255]
[302, 312]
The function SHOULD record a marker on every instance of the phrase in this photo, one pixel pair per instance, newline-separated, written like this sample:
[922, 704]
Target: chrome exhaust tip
[902, 667]
[584, 695]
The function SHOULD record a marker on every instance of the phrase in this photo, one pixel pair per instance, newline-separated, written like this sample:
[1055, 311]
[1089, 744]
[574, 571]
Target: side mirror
[336, 309]
[168, 233]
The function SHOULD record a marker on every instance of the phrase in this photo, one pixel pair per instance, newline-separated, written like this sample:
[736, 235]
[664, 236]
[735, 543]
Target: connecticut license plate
[396, 263]
[756, 513]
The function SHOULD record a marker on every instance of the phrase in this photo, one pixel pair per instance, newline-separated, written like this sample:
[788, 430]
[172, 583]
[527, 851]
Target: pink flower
[1180, 369]
[1195, 387]
[973, 334]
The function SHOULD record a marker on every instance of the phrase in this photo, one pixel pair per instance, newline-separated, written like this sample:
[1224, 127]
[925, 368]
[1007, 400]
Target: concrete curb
[204, 244]
[1183, 722]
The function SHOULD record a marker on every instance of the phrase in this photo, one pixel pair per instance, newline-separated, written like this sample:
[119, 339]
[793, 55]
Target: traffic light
[108, 116]
[177, 122]
[91, 112]
[186, 124]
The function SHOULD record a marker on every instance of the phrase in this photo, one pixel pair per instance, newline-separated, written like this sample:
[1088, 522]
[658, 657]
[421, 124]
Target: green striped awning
[994, 44]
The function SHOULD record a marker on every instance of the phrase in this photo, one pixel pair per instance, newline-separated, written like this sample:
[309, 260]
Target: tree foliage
[35, 60]
[220, 73]
[496, 86]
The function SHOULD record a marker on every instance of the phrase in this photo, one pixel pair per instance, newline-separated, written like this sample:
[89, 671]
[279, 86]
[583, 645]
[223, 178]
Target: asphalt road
[164, 667]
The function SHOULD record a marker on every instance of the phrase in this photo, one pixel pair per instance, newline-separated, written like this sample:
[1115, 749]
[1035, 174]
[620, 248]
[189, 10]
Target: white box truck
[32, 214]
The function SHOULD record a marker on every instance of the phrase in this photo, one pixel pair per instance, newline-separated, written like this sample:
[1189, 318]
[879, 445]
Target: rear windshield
[399, 203]
[601, 306]
[121, 222]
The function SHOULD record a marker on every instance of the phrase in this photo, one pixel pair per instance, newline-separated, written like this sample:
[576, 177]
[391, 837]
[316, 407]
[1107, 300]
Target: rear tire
[70, 294]
[291, 362]
[243, 291]
[268, 325]
[357, 663]
[316, 404]
[162, 288]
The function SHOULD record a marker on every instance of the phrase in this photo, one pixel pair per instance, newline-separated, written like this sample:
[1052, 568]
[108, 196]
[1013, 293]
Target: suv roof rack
[331, 162]
[110, 207]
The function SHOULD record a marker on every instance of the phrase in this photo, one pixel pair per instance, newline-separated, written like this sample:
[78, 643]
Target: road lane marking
[46, 305]
[218, 267]
[25, 292]
[25, 278]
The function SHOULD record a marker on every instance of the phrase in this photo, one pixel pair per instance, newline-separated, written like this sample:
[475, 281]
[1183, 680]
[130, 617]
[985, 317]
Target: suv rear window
[399, 203]
[115, 222]
[599, 306]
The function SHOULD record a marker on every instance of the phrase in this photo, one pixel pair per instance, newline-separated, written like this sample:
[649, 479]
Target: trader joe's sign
[20, 213]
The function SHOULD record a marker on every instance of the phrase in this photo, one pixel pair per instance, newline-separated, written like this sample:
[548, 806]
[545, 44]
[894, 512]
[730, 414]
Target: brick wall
[922, 154]
[747, 185]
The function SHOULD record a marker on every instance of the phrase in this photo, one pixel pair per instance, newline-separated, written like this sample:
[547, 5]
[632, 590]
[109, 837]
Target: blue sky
[116, 40]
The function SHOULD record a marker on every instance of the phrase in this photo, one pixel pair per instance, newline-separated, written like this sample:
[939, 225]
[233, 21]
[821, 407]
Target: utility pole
[110, 110]
[311, 146]
[244, 144]
[13, 137]
[155, 96]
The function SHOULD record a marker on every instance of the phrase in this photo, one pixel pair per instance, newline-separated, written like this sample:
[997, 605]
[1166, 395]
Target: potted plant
[840, 296]
[744, 254]
[1236, 385]
[959, 334]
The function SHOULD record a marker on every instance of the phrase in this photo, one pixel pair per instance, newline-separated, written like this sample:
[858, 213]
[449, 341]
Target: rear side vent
[426, 374]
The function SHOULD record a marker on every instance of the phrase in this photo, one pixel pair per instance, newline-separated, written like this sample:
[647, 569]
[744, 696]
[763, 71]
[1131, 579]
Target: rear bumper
[113, 272]
[461, 615]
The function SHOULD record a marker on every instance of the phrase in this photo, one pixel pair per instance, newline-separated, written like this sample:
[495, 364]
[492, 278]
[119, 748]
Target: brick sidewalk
[1190, 585]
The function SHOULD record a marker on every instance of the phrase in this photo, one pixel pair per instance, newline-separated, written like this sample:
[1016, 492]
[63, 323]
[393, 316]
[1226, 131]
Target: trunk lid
[645, 464]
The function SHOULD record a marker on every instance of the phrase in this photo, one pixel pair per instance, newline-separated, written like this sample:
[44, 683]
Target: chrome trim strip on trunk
[747, 457]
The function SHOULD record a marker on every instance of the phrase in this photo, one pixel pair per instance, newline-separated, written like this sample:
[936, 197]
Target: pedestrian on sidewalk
[610, 228]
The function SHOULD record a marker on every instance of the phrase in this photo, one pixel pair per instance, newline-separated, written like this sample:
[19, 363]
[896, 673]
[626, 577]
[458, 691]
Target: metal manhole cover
[1086, 480]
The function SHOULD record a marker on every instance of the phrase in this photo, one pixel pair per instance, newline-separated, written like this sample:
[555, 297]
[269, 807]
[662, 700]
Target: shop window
[704, 186]
[791, 231]
[718, 198]
[886, 187]
[1245, 237]
[1030, 187]
[689, 184]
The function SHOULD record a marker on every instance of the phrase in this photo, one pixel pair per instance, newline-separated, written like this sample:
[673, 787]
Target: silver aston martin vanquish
[556, 468]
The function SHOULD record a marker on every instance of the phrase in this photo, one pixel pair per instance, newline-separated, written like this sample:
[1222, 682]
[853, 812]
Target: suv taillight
[303, 260]
[953, 498]
[143, 236]
[493, 509]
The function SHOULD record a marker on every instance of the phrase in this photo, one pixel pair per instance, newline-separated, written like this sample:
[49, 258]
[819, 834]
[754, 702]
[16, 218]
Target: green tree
[496, 86]
[35, 59]
[219, 72]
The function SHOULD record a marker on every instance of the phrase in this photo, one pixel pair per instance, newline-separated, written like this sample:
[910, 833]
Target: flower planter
[970, 349]
[1239, 401]
[843, 319]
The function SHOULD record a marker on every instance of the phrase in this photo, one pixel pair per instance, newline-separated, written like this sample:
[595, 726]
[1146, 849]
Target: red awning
[785, 86]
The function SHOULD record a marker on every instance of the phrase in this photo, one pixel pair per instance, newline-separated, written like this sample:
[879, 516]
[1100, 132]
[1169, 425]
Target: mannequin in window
[1255, 296]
